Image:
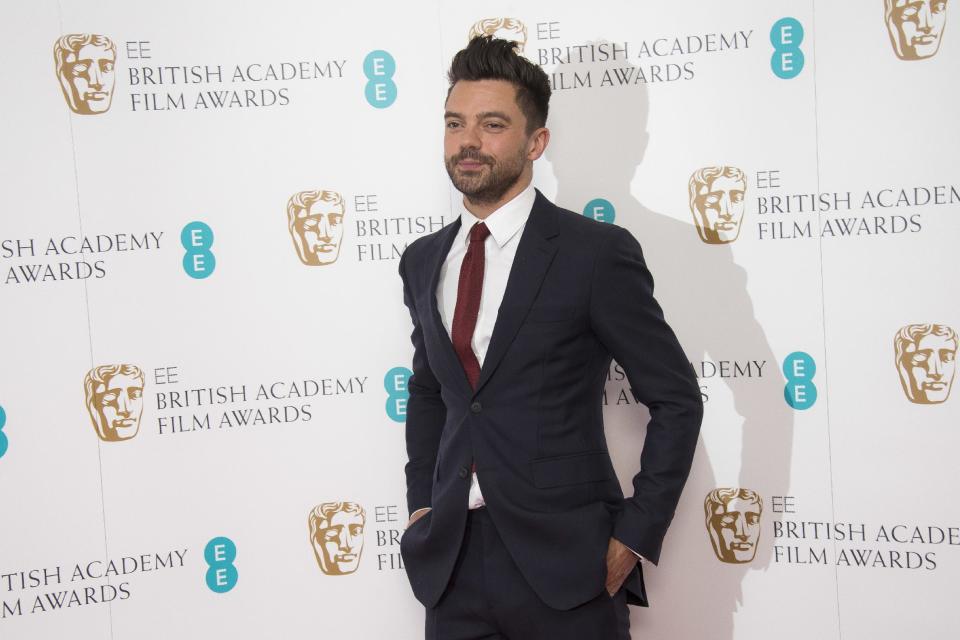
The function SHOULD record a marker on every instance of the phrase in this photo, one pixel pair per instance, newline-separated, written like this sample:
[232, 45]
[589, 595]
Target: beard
[485, 187]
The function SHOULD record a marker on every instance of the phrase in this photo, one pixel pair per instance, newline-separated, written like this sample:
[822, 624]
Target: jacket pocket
[594, 466]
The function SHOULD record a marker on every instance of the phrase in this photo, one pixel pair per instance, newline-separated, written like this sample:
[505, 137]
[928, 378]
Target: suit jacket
[578, 294]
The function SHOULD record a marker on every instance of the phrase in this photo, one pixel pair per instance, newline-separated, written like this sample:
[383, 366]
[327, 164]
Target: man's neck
[482, 210]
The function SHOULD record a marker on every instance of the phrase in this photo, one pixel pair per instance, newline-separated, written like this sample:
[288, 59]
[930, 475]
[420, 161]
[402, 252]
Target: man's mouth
[725, 226]
[927, 39]
[345, 557]
[324, 248]
[741, 546]
[95, 95]
[934, 386]
[125, 423]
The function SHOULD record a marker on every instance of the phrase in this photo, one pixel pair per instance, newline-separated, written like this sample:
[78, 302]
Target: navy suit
[578, 294]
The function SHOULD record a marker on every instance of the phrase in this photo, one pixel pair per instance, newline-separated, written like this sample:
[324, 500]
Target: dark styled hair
[489, 58]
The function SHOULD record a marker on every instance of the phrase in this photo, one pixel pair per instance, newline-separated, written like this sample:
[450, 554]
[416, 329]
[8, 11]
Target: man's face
[916, 26]
[339, 543]
[321, 229]
[90, 75]
[485, 142]
[930, 367]
[719, 209]
[118, 403]
[734, 532]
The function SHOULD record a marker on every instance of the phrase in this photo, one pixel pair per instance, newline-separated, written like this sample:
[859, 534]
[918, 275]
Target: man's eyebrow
[480, 116]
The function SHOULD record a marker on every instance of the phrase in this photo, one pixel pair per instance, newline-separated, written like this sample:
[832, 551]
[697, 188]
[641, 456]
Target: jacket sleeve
[426, 412]
[629, 322]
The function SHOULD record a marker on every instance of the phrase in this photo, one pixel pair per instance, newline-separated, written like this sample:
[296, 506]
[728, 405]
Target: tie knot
[479, 232]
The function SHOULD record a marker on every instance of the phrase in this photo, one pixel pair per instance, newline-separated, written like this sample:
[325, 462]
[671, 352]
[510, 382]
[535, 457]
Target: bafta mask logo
[114, 398]
[336, 534]
[85, 68]
[733, 522]
[717, 203]
[915, 26]
[503, 28]
[315, 221]
[926, 360]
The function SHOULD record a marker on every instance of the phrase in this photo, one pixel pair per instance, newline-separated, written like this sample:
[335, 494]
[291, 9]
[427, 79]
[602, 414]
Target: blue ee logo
[3, 437]
[379, 67]
[220, 554]
[600, 210]
[198, 261]
[395, 382]
[786, 35]
[800, 392]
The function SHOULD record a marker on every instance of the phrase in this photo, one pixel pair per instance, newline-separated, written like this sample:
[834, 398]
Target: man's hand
[419, 513]
[620, 562]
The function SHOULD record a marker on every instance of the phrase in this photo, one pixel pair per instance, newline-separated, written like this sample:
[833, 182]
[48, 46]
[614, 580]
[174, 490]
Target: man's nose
[470, 137]
[343, 541]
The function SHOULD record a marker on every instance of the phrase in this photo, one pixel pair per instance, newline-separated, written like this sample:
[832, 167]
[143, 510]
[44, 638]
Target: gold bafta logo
[85, 68]
[114, 399]
[717, 203]
[926, 360]
[336, 535]
[504, 28]
[315, 221]
[915, 26]
[733, 523]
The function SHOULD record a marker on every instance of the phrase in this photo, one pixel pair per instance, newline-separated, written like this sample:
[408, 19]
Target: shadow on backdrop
[599, 140]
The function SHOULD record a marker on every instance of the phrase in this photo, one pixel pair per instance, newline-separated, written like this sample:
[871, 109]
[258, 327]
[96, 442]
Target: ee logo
[800, 392]
[220, 554]
[395, 382]
[3, 437]
[786, 35]
[198, 261]
[379, 67]
[600, 210]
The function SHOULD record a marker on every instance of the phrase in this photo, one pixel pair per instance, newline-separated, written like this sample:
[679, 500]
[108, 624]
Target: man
[926, 361]
[315, 222]
[336, 535]
[85, 68]
[915, 26]
[114, 399]
[733, 522]
[716, 202]
[519, 528]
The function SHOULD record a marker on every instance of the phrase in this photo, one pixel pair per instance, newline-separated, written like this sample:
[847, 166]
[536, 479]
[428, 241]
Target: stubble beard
[481, 188]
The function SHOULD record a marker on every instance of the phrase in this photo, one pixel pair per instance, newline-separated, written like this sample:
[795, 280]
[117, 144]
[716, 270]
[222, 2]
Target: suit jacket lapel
[534, 255]
[454, 368]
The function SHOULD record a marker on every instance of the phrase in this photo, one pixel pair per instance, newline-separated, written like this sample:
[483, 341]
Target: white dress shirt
[505, 225]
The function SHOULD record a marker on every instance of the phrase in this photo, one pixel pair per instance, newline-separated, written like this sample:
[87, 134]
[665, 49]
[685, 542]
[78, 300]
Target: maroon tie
[469, 289]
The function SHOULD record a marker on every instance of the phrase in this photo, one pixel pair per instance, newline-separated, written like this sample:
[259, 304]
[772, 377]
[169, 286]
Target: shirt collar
[505, 222]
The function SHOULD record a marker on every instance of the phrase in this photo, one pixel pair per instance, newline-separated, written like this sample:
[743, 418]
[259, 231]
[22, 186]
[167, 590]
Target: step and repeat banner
[206, 351]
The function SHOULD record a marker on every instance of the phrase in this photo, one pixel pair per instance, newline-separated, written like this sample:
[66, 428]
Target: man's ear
[538, 143]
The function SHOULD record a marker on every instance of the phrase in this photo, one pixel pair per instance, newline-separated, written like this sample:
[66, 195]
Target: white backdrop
[270, 386]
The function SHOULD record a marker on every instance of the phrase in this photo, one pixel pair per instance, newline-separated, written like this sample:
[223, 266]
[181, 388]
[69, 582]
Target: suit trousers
[488, 598]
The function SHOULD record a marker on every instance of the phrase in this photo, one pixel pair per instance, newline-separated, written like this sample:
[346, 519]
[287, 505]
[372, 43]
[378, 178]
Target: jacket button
[476, 407]
[464, 472]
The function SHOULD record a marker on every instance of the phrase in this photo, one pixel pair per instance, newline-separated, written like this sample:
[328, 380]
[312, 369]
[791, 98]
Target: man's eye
[106, 65]
[336, 218]
[453, 125]
[920, 357]
[309, 223]
[108, 399]
[948, 356]
[79, 68]
[908, 12]
[494, 125]
[736, 196]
